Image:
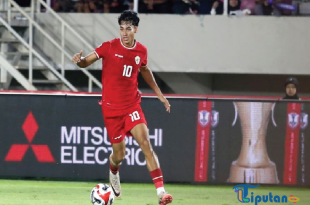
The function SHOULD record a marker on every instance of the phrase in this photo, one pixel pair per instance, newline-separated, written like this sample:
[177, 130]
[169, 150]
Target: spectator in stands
[98, 6]
[192, 6]
[205, 6]
[67, 5]
[186, 6]
[159, 6]
[233, 8]
[82, 6]
[218, 6]
[291, 88]
[266, 7]
[142, 6]
[62, 6]
[116, 6]
[178, 7]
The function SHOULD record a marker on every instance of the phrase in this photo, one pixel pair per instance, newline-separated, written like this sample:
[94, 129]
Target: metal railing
[2, 5]
[32, 51]
[36, 7]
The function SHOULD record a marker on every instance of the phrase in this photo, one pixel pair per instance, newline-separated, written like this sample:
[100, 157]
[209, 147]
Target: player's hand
[77, 57]
[165, 102]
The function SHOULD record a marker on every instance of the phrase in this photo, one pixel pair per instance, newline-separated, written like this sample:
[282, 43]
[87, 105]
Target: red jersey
[120, 69]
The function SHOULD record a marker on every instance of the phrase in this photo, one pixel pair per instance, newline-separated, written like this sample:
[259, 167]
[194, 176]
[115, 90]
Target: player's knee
[145, 145]
[120, 155]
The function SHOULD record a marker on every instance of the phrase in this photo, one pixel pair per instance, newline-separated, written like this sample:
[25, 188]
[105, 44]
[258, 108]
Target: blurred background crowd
[206, 7]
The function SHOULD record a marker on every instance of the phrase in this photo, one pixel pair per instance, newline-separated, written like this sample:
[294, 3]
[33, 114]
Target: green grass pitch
[27, 192]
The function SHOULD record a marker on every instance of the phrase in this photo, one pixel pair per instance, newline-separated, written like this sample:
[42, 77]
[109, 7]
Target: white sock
[160, 189]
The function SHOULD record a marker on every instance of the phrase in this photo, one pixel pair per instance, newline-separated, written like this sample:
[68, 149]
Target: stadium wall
[189, 43]
[205, 139]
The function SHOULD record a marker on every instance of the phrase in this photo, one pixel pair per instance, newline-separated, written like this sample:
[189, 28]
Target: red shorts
[120, 122]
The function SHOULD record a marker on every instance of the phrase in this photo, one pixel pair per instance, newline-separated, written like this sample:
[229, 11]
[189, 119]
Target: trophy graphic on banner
[253, 164]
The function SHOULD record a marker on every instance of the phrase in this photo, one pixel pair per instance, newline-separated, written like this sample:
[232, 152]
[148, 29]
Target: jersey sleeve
[144, 61]
[103, 50]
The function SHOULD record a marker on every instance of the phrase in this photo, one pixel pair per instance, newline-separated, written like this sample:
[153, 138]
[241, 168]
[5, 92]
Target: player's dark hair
[130, 16]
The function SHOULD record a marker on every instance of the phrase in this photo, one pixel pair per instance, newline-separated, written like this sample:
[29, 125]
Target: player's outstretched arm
[84, 62]
[150, 80]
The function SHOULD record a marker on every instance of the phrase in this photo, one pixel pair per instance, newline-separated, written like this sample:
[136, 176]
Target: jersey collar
[127, 47]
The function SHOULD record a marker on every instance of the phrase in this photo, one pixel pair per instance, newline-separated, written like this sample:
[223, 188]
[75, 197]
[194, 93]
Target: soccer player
[122, 59]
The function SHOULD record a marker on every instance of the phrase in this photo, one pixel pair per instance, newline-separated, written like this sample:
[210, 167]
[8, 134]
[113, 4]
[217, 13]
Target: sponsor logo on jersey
[119, 56]
[118, 137]
[137, 59]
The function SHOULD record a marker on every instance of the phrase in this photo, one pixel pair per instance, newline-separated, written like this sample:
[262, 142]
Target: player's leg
[114, 122]
[116, 158]
[140, 133]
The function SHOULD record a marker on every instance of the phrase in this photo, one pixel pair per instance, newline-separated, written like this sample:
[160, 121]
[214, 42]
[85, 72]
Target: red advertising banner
[202, 140]
[291, 143]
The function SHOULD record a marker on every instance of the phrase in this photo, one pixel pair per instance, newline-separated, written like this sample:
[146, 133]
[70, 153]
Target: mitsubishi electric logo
[18, 151]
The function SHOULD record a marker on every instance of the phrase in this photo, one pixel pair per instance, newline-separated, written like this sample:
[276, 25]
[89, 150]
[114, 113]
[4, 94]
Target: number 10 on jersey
[134, 116]
[127, 71]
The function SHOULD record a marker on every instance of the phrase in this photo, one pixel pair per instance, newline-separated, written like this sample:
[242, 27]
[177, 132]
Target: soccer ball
[102, 194]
